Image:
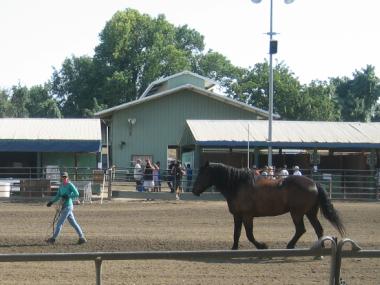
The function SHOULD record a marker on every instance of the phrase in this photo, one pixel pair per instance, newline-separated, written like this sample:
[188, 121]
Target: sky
[317, 39]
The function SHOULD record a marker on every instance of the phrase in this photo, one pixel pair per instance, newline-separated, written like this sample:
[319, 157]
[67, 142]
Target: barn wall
[68, 159]
[160, 123]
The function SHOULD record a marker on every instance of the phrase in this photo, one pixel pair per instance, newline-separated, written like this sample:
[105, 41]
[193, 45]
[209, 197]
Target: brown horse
[247, 198]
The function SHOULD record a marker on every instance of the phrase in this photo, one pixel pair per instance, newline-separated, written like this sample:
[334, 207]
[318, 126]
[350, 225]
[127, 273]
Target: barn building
[151, 126]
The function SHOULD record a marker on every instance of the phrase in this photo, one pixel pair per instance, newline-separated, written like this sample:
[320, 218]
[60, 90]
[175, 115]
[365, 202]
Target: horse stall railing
[339, 183]
[98, 257]
[348, 184]
[123, 180]
[34, 183]
[344, 184]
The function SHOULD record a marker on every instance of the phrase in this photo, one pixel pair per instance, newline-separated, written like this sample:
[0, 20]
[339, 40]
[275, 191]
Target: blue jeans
[67, 213]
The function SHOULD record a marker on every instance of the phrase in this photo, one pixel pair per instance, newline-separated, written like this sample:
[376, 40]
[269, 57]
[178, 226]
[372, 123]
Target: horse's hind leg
[300, 229]
[237, 231]
[248, 224]
[313, 219]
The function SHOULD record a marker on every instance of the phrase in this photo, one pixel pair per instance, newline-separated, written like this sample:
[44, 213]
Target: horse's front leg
[248, 224]
[237, 231]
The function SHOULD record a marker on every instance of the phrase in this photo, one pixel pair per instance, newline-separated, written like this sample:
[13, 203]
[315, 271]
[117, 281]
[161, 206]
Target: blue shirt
[68, 190]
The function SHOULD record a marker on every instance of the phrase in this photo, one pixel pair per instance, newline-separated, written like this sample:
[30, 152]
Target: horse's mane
[227, 179]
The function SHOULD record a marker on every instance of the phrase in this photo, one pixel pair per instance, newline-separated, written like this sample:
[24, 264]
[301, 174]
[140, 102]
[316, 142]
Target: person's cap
[64, 174]
[296, 167]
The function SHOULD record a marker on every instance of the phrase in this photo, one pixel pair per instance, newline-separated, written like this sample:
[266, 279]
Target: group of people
[270, 172]
[148, 177]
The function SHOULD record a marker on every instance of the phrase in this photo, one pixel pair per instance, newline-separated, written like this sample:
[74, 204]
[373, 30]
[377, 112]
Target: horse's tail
[328, 210]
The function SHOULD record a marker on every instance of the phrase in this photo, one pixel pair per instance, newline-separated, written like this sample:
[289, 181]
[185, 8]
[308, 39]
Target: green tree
[41, 103]
[357, 97]
[291, 100]
[4, 104]
[217, 67]
[136, 49]
[19, 101]
[253, 88]
[318, 102]
[376, 115]
[95, 108]
[75, 85]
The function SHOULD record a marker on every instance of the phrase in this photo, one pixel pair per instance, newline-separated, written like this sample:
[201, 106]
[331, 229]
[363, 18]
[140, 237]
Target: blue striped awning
[49, 146]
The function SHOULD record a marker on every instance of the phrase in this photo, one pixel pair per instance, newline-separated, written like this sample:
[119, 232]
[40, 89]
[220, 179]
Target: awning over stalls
[50, 135]
[285, 134]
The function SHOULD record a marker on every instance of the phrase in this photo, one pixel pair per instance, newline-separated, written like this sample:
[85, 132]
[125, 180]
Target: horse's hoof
[262, 246]
[320, 257]
[234, 248]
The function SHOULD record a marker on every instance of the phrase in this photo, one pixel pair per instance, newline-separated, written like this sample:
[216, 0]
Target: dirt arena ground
[176, 225]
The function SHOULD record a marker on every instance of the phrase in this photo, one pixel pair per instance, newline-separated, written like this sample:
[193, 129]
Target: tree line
[136, 49]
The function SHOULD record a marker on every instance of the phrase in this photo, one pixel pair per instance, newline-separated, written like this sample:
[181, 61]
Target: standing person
[297, 171]
[170, 176]
[283, 172]
[157, 177]
[67, 192]
[255, 171]
[265, 172]
[178, 172]
[271, 173]
[137, 175]
[148, 176]
[189, 177]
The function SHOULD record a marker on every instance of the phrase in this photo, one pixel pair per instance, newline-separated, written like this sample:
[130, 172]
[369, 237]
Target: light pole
[272, 50]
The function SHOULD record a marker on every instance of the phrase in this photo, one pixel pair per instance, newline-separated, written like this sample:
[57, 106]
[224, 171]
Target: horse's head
[203, 180]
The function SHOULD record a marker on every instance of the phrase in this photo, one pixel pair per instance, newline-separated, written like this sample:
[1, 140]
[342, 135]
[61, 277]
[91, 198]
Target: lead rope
[58, 209]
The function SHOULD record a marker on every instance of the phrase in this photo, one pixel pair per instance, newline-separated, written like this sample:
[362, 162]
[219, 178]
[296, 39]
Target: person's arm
[57, 196]
[74, 193]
